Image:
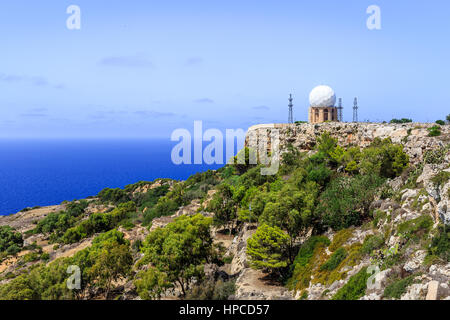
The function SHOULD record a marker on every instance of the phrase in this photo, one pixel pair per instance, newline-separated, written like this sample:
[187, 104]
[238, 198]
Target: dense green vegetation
[98, 222]
[434, 131]
[440, 246]
[398, 287]
[177, 253]
[212, 290]
[441, 178]
[403, 120]
[330, 188]
[415, 229]
[57, 223]
[114, 196]
[11, 242]
[371, 243]
[107, 260]
[301, 269]
[355, 288]
[346, 201]
[182, 193]
[335, 259]
[315, 194]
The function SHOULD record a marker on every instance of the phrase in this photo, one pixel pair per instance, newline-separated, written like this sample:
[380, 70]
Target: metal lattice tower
[355, 110]
[291, 114]
[340, 117]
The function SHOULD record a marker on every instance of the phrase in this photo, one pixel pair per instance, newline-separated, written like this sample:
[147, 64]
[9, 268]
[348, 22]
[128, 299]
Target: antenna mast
[340, 117]
[355, 110]
[291, 115]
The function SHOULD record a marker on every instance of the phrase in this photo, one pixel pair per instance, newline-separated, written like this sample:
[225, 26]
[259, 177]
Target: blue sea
[47, 172]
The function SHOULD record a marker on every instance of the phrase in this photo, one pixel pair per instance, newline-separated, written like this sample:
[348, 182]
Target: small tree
[110, 259]
[268, 249]
[383, 158]
[151, 284]
[180, 250]
[448, 118]
[224, 207]
[326, 144]
[10, 241]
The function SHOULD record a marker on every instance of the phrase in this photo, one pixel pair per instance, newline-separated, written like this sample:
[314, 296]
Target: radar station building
[322, 100]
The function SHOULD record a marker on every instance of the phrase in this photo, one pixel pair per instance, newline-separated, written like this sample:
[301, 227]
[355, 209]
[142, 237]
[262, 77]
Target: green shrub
[99, 222]
[306, 251]
[383, 158]
[355, 288]
[76, 208]
[45, 256]
[378, 216]
[441, 178]
[333, 262]
[371, 243]
[58, 222]
[403, 120]
[440, 122]
[346, 200]
[416, 228]
[397, 288]
[319, 174]
[107, 260]
[386, 192]
[113, 195]
[151, 284]
[39, 283]
[150, 198]
[440, 246]
[212, 290]
[340, 238]
[434, 131]
[301, 268]
[30, 257]
[304, 295]
[436, 156]
[11, 242]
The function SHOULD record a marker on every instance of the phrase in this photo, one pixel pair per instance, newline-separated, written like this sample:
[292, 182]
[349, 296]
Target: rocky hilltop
[397, 248]
[413, 136]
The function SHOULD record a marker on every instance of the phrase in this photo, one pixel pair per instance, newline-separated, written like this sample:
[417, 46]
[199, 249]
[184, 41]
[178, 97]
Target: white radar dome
[322, 96]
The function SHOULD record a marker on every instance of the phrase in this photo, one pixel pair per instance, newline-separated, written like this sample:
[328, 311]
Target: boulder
[433, 288]
[443, 210]
[408, 194]
[416, 261]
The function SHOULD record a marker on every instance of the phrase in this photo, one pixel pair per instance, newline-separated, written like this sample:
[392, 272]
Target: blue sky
[145, 68]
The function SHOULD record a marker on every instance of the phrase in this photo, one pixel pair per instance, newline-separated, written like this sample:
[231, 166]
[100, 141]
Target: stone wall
[318, 114]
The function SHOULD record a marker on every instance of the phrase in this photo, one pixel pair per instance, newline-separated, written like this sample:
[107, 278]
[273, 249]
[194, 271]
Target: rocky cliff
[423, 191]
[413, 136]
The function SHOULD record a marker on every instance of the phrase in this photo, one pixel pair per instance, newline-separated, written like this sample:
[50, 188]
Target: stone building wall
[319, 114]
